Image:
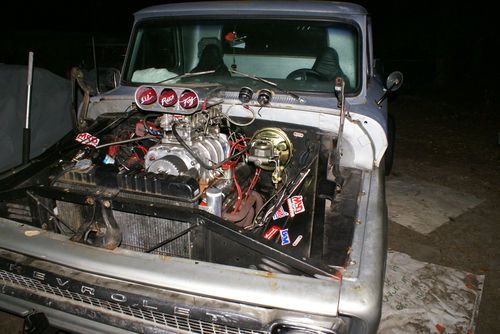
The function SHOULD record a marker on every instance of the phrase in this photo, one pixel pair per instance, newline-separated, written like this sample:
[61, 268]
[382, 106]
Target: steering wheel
[304, 74]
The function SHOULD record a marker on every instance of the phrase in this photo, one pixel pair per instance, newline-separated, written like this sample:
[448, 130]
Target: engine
[180, 147]
[191, 141]
[203, 146]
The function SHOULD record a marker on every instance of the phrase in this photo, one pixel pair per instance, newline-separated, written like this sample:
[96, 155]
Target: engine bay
[191, 152]
[176, 176]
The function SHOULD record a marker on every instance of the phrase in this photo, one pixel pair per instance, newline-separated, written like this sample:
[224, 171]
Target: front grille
[167, 321]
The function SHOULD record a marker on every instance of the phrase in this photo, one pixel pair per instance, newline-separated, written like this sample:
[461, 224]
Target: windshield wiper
[275, 85]
[185, 75]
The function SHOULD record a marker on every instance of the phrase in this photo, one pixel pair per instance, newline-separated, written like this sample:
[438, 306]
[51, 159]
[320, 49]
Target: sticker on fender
[280, 213]
[296, 242]
[285, 237]
[271, 232]
[295, 205]
[87, 139]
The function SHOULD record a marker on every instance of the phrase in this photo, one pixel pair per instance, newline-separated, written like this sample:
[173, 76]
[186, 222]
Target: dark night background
[447, 112]
[441, 47]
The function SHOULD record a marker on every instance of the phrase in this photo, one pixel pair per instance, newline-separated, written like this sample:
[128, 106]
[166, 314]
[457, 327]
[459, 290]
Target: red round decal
[167, 98]
[145, 96]
[188, 100]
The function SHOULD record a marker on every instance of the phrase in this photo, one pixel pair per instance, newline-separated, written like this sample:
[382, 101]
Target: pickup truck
[232, 182]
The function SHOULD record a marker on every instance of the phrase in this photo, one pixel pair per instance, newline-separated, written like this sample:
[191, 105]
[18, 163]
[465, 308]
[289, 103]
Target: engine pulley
[169, 164]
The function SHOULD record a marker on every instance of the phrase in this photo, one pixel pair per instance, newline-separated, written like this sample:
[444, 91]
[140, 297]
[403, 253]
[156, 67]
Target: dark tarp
[50, 112]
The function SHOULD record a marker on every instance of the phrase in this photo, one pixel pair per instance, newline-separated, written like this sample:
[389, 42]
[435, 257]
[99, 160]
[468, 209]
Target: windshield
[296, 55]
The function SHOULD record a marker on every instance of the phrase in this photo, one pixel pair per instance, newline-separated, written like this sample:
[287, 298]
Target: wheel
[304, 74]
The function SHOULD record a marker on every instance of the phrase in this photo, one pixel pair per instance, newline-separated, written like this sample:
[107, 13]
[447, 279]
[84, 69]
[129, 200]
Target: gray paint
[360, 293]
[244, 8]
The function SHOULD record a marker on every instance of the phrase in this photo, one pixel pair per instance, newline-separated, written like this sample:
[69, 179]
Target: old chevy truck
[233, 182]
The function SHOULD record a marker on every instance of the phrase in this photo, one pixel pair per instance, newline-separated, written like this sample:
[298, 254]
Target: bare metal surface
[361, 293]
[310, 295]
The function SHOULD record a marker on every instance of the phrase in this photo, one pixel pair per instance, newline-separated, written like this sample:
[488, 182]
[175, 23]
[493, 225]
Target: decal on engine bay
[295, 205]
[280, 213]
[271, 232]
[285, 237]
[87, 139]
[296, 242]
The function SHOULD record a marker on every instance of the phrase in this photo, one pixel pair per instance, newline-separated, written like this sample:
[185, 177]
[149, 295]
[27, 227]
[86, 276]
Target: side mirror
[393, 83]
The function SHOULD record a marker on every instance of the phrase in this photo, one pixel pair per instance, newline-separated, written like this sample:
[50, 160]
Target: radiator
[139, 232]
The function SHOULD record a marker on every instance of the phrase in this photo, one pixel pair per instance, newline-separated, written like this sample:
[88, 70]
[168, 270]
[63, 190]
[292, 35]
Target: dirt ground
[455, 146]
[458, 147]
